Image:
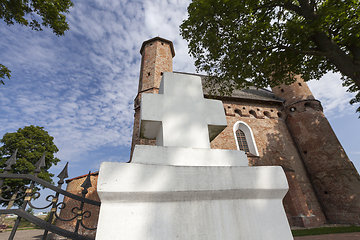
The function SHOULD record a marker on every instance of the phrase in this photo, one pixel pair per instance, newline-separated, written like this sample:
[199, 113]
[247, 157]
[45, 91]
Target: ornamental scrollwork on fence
[29, 193]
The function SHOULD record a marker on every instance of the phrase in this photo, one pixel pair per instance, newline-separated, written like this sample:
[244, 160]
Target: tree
[50, 12]
[4, 72]
[31, 142]
[267, 42]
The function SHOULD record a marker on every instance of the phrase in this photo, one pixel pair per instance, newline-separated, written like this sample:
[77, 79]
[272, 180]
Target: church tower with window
[156, 58]
[284, 127]
[332, 174]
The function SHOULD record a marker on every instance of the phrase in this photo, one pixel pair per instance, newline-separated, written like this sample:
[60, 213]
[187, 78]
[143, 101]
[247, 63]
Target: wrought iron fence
[30, 192]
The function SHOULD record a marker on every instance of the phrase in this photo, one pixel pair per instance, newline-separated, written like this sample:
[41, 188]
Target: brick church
[284, 127]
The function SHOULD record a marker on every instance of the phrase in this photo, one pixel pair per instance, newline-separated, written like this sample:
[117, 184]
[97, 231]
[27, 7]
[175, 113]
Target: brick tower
[333, 175]
[157, 54]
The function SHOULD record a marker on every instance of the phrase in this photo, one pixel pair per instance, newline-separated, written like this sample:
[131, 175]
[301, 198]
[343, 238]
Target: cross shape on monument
[180, 116]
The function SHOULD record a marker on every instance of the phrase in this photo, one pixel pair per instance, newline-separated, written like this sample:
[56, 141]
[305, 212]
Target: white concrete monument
[182, 189]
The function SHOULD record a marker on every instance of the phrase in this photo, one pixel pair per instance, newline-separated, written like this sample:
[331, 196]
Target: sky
[80, 87]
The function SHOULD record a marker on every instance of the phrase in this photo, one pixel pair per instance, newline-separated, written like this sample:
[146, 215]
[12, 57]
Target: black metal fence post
[86, 184]
[38, 165]
[28, 194]
[63, 174]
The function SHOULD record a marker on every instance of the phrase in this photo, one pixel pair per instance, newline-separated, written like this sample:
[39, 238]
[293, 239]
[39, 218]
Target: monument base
[159, 202]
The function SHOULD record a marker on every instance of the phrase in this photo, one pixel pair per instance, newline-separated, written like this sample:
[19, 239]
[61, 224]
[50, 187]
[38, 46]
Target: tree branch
[307, 11]
[291, 7]
[281, 47]
[355, 52]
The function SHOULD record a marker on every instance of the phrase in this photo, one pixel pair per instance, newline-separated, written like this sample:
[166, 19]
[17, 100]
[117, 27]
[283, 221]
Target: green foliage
[25, 224]
[353, 88]
[31, 142]
[30, 210]
[4, 72]
[50, 11]
[29, 12]
[48, 217]
[267, 42]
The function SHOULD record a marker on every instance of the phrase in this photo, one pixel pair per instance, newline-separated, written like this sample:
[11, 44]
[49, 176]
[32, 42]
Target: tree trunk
[348, 66]
[339, 58]
[11, 203]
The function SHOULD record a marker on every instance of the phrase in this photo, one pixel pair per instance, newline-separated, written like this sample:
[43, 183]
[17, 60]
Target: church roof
[252, 93]
[161, 40]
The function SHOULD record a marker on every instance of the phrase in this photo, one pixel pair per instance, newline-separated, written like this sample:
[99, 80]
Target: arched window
[241, 139]
[245, 138]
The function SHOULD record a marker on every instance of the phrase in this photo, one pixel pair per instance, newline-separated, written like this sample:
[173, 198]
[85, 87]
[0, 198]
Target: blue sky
[80, 87]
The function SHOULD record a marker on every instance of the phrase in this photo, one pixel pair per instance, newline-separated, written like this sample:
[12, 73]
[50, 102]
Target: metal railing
[30, 192]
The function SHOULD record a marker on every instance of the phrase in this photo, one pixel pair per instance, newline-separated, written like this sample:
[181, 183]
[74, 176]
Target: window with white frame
[245, 138]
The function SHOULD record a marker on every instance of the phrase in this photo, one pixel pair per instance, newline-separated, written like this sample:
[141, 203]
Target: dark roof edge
[195, 74]
[243, 99]
[158, 39]
[275, 100]
[203, 75]
[82, 176]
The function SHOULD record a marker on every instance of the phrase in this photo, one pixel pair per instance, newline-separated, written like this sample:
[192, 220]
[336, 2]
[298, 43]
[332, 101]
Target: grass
[324, 230]
[28, 228]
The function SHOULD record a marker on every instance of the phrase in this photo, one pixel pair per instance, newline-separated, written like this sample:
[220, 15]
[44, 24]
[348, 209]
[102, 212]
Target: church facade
[284, 127]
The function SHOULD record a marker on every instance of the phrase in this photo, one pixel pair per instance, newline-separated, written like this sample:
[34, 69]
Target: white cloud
[333, 95]
[81, 86]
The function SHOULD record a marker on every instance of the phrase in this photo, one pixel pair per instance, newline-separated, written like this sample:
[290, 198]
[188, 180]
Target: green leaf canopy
[267, 42]
[31, 142]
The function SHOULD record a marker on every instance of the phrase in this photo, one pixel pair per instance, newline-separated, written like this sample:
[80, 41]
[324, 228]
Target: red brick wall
[297, 137]
[74, 187]
[276, 148]
[156, 58]
[334, 177]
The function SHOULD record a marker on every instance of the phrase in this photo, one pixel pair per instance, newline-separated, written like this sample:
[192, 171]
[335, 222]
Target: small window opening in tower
[161, 73]
[162, 43]
[258, 109]
[305, 152]
[271, 110]
[267, 114]
[229, 107]
[150, 44]
[279, 114]
[240, 135]
[307, 105]
[244, 108]
[253, 113]
[148, 73]
[282, 90]
[237, 111]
